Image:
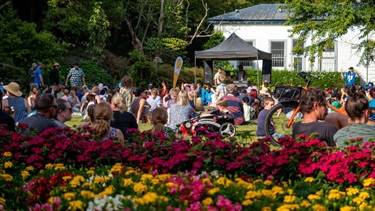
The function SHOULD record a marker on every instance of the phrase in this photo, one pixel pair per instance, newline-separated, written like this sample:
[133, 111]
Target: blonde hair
[154, 93]
[103, 114]
[193, 96]
[173, 92]
[183, 98]
[159, 117]
[95, 90]
[118, 101]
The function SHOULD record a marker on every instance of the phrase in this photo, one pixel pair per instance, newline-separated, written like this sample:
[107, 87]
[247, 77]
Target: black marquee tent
[235, 48]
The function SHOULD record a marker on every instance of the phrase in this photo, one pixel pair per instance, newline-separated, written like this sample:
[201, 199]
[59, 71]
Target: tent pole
[257, 71]
[195, 70]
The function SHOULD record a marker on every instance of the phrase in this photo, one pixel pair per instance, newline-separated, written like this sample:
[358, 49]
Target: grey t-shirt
[38, 122]
[325, 131]
[354, 131]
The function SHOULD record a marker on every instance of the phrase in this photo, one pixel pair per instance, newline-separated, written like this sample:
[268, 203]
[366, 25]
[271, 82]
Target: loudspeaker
[266, 71]
[208, 72]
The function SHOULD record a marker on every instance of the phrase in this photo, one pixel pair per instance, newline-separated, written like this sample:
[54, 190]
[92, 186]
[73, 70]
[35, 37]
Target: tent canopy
[233, 48]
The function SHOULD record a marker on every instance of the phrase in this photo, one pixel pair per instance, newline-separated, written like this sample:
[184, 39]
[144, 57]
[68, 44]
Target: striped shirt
[235, 107]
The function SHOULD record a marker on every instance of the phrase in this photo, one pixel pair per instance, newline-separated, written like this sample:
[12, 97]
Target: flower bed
[62, 170]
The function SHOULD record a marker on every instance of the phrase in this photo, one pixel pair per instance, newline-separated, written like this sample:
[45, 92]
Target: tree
[323, 21]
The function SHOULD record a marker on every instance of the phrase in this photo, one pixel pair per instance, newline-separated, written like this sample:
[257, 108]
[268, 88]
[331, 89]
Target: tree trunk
[137, 44]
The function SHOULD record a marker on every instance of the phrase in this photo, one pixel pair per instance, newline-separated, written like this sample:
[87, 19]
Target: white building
[263, 27]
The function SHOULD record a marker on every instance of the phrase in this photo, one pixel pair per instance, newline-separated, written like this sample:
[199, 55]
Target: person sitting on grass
[314, 109]
[159, 117]
[224, 115]
[357, 108]
[63, 112]
[268, 103]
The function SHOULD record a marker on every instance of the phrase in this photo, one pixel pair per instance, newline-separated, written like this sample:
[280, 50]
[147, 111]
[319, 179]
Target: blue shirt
[38, 72]
[350, 78]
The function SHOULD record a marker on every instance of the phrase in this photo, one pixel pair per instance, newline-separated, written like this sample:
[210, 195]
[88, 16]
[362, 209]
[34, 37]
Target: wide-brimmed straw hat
[13, 88]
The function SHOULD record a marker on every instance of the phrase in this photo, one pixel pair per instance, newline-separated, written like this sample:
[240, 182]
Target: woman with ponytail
[102, 130]
[357, 108]
[122, 119]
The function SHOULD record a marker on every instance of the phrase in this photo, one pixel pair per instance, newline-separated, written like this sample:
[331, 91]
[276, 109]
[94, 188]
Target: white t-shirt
[154, 103]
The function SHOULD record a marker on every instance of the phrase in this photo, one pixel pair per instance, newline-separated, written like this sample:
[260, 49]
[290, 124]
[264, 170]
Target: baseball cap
[34, 64]
[351, 68]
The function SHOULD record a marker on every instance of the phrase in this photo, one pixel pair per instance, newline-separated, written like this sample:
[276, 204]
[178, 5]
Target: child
[269, 102]
[248, 111]
[225, 115]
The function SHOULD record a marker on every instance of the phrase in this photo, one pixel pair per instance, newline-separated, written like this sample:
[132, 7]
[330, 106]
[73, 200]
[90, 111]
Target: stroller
[210, 121]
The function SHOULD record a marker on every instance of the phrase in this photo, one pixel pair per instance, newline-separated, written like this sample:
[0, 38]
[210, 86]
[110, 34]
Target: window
[247, 63]
[297, 60]
[328, 60]
[278, 53]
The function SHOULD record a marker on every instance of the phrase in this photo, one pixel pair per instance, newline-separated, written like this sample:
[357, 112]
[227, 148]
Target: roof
[257, 13]
[233, 48]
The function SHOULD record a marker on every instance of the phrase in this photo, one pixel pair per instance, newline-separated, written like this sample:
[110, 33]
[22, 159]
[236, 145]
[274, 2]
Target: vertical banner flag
[177, 68]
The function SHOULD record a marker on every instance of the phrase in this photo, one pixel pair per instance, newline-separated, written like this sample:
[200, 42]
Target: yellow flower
[247, 202]
[116, 168]
[163, 198]
[155, 181]
[146, 177]
[77, 181]
[170, 184]
[312, 197]
[7, 177]
[25, 174]
[8, 164]
[367, 182]
[267, 182]
[278, 190]
[305, 203]
[69, 196]
[90, 172]
[347, 208]
[268, 193]
[49, 166]
[252, 195]
[75, 205]
[309, 179]
[7, 154]
[223, 181]
[139, 187]
[2, 201]
[30, 168]
[150, 198]
[352, 191]
[59, 166]
[87, 194]
[365, 206]
[266, 209]
[163, 177]
[288, 207]
[364, 195]
[128, 182]
[52, 199]
[99, 179]
[131, 171]
[207, 201]
[358, 200]
[289, 199]
[319, 207]
[109, 190]
[66, 178]
[213, 191]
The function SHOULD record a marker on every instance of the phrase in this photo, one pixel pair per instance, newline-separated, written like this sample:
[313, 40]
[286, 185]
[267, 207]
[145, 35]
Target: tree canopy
[324, 21]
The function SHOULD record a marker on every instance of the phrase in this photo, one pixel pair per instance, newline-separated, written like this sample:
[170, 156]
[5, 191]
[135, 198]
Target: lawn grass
[245, 134]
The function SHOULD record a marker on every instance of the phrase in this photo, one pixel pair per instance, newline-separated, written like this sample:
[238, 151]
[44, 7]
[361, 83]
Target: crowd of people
[112, 112]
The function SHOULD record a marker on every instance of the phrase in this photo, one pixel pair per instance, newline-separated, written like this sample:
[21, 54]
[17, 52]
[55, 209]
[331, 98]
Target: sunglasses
[70, 109]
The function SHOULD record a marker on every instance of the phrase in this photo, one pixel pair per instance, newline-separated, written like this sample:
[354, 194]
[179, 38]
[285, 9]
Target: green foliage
[214, 40]
[94, 74]
[287, 77]
[323, 22]
[98, 29]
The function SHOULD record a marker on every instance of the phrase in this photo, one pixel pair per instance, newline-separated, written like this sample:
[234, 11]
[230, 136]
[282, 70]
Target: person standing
[38, 75]
[15, 100]
[30, 73]
[314, 109]
[76, 76]
[54, 75]
[350, 76]
[241, 73]
[216, 77]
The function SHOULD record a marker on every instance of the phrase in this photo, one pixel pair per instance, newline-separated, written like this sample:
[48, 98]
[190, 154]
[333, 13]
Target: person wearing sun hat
[15, 100]
[54, 75]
